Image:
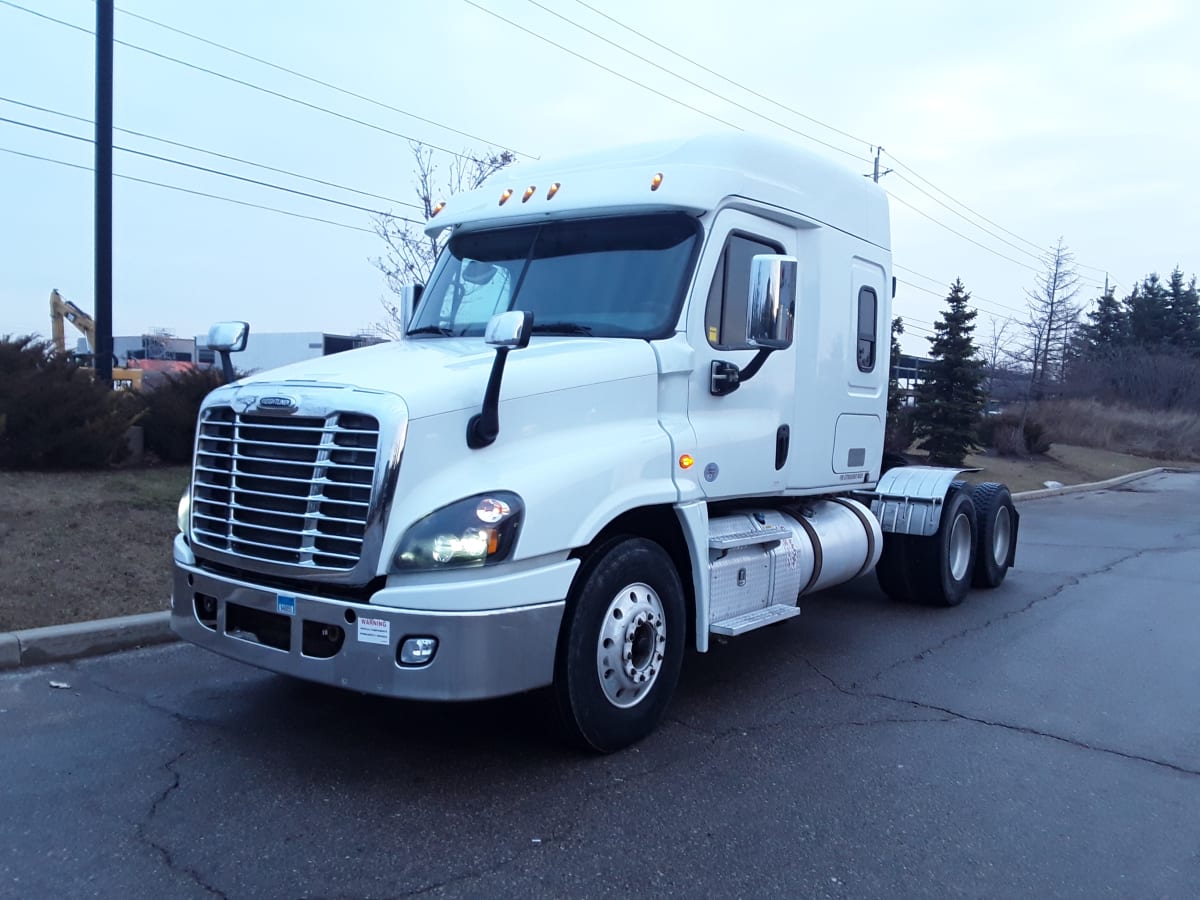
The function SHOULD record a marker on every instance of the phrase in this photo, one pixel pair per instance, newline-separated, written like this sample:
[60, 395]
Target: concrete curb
[1093, 485]
[56, 643]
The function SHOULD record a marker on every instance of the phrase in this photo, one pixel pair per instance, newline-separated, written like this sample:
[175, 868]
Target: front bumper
[483, 653]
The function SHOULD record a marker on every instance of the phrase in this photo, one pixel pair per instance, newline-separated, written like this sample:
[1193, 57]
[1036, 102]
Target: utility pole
[875, 177]
[103, 172]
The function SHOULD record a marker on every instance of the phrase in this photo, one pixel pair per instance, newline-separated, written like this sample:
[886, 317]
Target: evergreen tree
[895, 401]
[1108, 328]
[1183, 312]
[951, 398]
[1149, 313]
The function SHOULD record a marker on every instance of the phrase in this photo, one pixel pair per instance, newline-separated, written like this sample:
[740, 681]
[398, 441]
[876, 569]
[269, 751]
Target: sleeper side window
[868, 305]
[729, 294]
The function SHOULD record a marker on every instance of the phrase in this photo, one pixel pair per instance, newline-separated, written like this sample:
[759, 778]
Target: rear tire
[941, 565]
[621, 646]
[997, 532]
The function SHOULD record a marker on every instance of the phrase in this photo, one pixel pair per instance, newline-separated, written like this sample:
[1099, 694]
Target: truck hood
[441, 375]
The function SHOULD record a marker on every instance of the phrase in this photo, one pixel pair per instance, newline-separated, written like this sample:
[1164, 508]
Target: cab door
[743, 437]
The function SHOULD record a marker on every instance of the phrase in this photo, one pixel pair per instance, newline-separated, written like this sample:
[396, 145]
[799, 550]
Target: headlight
[183, 513]
[472, 532]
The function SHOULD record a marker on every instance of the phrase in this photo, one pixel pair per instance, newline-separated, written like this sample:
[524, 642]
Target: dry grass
[1122, 429]
[76, 546]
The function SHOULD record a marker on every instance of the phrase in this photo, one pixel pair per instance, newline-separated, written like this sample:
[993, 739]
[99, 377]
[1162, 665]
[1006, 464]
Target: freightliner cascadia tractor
[639, 404]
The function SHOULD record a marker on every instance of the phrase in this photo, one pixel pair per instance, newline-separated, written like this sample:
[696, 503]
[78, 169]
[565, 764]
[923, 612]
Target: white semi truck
[639, 404]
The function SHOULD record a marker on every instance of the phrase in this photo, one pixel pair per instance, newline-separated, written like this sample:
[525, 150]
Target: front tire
[621, 647]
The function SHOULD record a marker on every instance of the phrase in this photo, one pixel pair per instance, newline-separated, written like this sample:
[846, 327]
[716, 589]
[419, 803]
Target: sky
[1006, 126]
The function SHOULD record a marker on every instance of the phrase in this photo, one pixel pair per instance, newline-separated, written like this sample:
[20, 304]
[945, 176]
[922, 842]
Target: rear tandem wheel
[934, 569]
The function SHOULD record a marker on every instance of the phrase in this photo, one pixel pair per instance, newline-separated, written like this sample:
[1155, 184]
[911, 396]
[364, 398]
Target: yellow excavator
[127, 379]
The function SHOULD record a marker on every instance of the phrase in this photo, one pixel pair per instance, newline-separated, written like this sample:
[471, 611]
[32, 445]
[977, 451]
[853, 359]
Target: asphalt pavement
[1042, 740]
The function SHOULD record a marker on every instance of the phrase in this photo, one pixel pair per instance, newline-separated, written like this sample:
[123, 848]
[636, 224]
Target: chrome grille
[286, 489]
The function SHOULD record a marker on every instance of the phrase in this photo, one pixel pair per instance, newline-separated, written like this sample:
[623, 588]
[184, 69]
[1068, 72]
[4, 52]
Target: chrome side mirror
[505, 331]
[226, 338]
[229, 337]
[771, 310]
[509, 329]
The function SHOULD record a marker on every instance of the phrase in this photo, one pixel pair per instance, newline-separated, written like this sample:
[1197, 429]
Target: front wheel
[621, 647]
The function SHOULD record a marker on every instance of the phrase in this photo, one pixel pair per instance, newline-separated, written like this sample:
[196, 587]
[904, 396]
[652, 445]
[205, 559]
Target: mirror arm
[755, 364]
[484, 426]
[226, 366]
[725, 377]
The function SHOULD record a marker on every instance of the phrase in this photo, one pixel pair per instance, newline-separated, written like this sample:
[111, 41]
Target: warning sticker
[374, 631]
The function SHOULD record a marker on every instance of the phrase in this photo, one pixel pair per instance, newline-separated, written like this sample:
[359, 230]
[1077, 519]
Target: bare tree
[996, 346]
[1053, 320]
[409, 253]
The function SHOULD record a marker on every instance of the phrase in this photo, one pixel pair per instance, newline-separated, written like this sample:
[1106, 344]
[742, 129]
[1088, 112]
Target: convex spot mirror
[771, 311]
[477, 272]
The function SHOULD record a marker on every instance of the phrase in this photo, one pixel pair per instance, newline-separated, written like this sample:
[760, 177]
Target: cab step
[756, 618]
[766, 535]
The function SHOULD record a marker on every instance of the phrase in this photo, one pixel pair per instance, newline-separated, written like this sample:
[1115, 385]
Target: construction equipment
[124, 378]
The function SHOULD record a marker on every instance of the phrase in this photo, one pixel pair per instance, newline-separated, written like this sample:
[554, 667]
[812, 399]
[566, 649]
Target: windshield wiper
[561, 328]
[430, 329]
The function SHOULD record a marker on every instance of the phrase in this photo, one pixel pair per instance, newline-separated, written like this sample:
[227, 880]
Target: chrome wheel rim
[631, 645]
[960, 547]
[1001, 535]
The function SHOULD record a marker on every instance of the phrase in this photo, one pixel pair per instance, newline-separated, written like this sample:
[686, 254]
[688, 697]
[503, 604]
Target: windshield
[613, 277]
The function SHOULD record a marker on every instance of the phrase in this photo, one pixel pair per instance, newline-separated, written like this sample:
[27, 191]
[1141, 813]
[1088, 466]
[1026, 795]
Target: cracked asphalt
[1042, 740]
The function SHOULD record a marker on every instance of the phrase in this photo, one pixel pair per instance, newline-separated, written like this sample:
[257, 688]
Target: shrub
[1003, 433]
[1161, 434]
[54, 415]
[171, 410]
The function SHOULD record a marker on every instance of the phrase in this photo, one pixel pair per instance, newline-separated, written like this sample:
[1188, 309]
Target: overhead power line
[775, 122]
[725, 78]
[318, 81]
[175, 187]
[694, 84]
[946, 282]
[991, 250]
[207, 170]
[225, 156]
[587, 59]
[946, 206]
[974, 300]
[247, 84]
[1041, 249]
[583, 57]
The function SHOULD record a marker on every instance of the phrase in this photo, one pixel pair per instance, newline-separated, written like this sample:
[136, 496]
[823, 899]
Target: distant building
[148, 346]
[270, 350]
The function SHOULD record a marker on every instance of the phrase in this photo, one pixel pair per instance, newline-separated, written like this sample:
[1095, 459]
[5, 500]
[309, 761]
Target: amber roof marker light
[508, 192]
[553, 190]
[656, 181]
